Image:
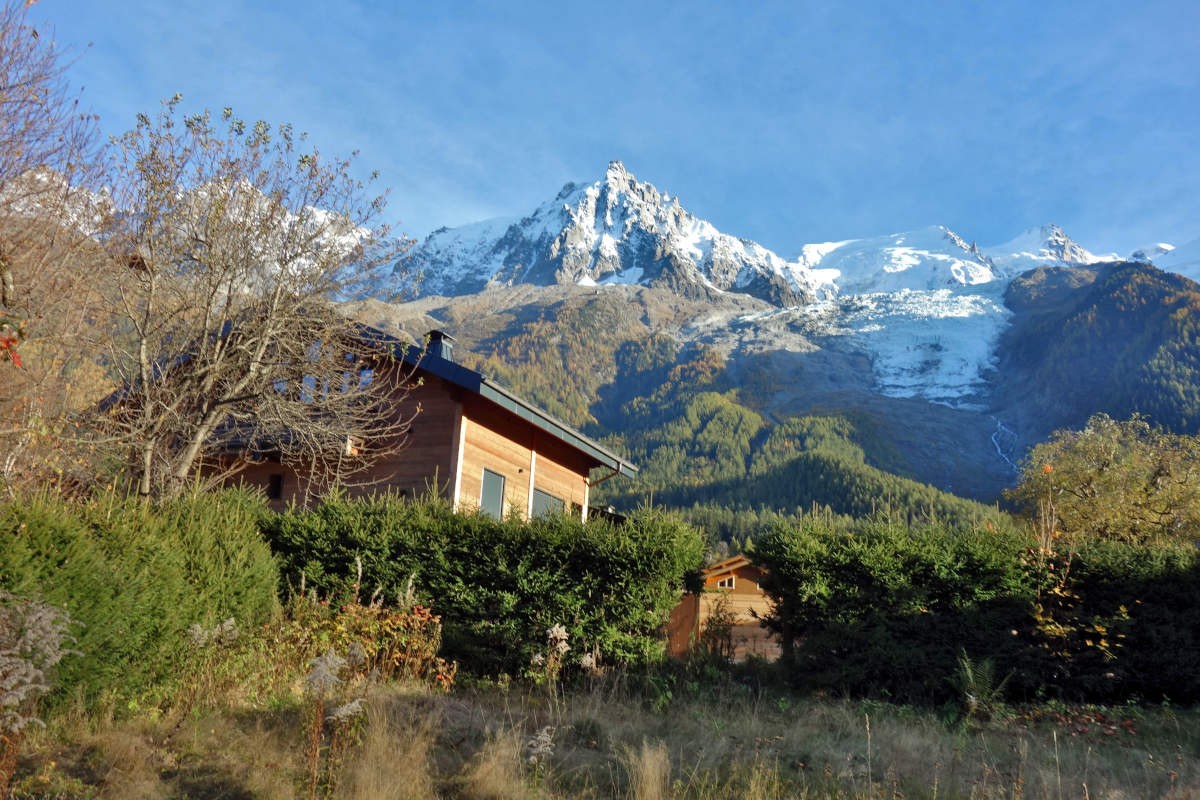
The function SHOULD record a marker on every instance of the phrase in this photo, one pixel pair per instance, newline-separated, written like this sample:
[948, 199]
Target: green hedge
[882, 609]
[498, 586]
[1158, 588]
[134, 578]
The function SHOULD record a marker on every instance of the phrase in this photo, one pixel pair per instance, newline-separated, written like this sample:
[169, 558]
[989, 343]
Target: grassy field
[609, 739]
[331, 699]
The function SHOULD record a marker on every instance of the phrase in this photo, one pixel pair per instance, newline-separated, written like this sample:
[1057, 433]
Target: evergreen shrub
[1151, 592]
[499, 585]
[885, 609]
[135, 577]
[880, 608]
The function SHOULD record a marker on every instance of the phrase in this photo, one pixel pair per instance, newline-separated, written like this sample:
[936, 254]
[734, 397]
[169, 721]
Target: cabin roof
[478, 383]
[730, 564]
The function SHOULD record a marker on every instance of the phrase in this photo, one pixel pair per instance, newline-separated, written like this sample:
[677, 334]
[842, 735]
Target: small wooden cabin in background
[733, 582]
[474, 443]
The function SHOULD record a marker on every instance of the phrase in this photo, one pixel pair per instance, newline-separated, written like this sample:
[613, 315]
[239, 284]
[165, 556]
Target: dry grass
[496, 772]
[393, 760]
[604, 743]
[649, 771]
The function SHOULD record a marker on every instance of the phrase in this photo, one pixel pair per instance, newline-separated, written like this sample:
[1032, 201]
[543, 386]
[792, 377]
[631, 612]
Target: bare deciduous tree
[45, 144]
[238, 241]
[47, 212]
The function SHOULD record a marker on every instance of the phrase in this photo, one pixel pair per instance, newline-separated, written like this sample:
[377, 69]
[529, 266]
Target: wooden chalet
[733, 584]
[473, 442]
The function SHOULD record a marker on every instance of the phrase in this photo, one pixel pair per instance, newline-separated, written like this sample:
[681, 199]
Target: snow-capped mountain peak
[926, 259]
[619, 229]
[1151, 254]
[1047, 245]
[926, 305]
[614, 230]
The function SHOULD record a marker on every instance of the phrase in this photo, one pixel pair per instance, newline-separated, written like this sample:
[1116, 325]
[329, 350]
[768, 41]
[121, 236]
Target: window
[275, 486]
[546, 504]
[491, 497]
[727, 582]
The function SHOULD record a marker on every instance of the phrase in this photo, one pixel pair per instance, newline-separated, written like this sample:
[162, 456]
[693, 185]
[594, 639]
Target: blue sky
[785, 123]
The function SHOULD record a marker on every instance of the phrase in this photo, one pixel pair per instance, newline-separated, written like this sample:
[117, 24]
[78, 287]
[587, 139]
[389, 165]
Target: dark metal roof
[476, 382]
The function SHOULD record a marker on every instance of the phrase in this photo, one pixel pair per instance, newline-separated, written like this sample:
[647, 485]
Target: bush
[885, 609]
[881, 609]
[499, 586]
[136, 577]
[1148, 592]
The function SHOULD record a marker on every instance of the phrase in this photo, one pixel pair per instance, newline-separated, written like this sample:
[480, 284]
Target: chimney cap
[440, 345]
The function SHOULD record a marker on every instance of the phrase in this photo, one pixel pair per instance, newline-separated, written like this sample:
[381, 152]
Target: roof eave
[507, 400]
[476, 382]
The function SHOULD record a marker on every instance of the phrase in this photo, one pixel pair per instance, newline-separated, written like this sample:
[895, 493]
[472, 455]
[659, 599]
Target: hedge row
[134, 578]
[883, 609]
[498, 586]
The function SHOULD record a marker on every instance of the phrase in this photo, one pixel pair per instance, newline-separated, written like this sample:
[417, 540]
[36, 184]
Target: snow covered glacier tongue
[929, 307]
[936, 344]
[925, 305]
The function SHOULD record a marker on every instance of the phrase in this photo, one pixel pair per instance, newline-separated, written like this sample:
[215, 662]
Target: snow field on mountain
[930, 258]
[926, 306]
[935, 344]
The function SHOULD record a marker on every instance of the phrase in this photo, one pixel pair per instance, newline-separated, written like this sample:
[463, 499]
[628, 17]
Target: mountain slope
[924, 306]
[949, 359]
[627, 361]
[616, 359]
[1121, 337]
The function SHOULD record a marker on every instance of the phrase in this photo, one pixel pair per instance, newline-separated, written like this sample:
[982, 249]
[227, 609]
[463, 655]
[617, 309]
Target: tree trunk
[146, 482]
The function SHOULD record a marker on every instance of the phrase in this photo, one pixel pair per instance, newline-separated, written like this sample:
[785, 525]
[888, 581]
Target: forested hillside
[709, 450]
[721, 401]
[701, 427]
[1119, 338]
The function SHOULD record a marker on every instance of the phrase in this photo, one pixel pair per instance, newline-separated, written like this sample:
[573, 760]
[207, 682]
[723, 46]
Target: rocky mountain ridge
[617, 230]
[926, 306]
[620, 230]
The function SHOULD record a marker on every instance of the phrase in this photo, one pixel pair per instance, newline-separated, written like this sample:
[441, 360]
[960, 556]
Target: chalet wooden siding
[734, 583]
[528, 458]
[426, 462]
[467, 424]
[265, 475]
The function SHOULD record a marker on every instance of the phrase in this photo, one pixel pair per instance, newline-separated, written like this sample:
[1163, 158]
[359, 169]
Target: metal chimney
[440, 345]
